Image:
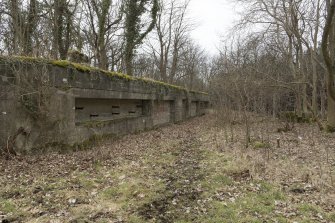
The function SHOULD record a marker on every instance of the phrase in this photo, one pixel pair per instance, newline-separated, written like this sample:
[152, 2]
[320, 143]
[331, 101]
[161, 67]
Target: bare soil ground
[197, 171]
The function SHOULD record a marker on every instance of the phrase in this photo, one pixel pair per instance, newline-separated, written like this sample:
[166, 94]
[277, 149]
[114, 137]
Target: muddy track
[179, 198]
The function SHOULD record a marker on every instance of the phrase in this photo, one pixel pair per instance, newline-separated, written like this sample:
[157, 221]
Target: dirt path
[179, 197]
[191, 172]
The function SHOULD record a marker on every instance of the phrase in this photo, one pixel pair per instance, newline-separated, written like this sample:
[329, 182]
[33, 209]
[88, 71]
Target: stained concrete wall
[95, 109]
[194, 108]
[64, 105]
[162, 112]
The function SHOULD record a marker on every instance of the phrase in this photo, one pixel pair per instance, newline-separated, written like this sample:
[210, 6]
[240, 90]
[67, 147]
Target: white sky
[214, 19]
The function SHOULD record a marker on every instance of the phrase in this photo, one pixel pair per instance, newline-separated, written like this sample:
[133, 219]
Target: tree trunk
[315, 85]
[174, 64]
[323, 97]
[331, 114]
[16, 23]
[304, 99]
[30, 28]
[274, 106]
[328, 50]
[129, 55]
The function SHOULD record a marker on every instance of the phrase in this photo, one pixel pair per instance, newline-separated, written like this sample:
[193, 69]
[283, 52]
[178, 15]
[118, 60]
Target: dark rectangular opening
[93, 109]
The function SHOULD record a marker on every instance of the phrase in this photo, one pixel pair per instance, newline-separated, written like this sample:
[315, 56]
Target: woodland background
[279, 56]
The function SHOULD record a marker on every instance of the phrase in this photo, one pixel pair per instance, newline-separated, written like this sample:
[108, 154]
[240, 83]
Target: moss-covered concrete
[61, 102]
[88, 69]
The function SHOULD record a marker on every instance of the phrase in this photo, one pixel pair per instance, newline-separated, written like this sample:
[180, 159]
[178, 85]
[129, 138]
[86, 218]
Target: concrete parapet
[58, 102]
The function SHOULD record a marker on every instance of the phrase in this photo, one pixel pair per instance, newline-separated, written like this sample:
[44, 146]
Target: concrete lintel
[108, 94]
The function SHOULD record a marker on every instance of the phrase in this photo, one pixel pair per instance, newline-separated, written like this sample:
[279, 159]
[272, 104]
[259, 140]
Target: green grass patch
[87, 183]
[133, 186]
[331, 217]
[247, 208]
[110, 193]
[136, 219]
[222, 179]
[308, 211]
[7, 206]
[305, 209]
[241, 201]
[261, 145]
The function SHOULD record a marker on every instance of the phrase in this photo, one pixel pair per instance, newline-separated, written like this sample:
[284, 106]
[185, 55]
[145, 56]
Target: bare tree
[171, 30]
[134, 32]
[63, 15]
[328, 49]
[104, 18]
[23, 22]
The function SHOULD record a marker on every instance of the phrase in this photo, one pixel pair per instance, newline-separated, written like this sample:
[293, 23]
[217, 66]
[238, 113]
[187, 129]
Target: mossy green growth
[61, 63]
[294, 117]
[117, 74]
[261, 145]
[87, 69]
[330, 129]
[77, 66]
[25, 59]
[149, 80]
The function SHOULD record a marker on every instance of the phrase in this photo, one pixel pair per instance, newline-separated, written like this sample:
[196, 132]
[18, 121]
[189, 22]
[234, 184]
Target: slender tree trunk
[174, 64]
[315, 85]
[313, 58]
[274, 105]
[30, 28]
[129, 55]
[331, 114]
[304, 99]
[323, 97]
[16, 23]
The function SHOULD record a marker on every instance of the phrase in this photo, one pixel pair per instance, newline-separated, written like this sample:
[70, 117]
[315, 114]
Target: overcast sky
[213, 18]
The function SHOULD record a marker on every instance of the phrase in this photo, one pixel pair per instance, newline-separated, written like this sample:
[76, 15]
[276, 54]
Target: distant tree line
[280, 57]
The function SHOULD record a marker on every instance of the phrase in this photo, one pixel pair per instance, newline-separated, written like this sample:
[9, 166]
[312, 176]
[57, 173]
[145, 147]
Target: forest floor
[196, 171]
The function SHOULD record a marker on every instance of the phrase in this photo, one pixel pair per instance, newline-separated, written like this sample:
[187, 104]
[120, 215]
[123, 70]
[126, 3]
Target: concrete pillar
[178, 109]
[148, 107]
[198, 110]
[188, 107]
[148, 112]
[172, 111]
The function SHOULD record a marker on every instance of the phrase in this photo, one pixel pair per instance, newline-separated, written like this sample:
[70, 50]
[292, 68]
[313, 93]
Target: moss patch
[330, 129]
[88, 69]
[261, 145]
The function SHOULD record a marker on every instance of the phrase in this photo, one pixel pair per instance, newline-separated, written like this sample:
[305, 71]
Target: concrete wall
[94, 109]
[194, 108]
[65, 105]
[162, 112]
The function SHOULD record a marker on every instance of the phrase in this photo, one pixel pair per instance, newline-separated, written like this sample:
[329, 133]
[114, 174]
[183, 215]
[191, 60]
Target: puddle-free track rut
[179, 198]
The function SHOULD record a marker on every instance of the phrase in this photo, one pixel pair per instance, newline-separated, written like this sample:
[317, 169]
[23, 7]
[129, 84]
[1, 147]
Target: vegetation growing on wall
[88, 69]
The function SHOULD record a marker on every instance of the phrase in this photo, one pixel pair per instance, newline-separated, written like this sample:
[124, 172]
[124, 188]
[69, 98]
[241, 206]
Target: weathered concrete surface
[68, 104]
